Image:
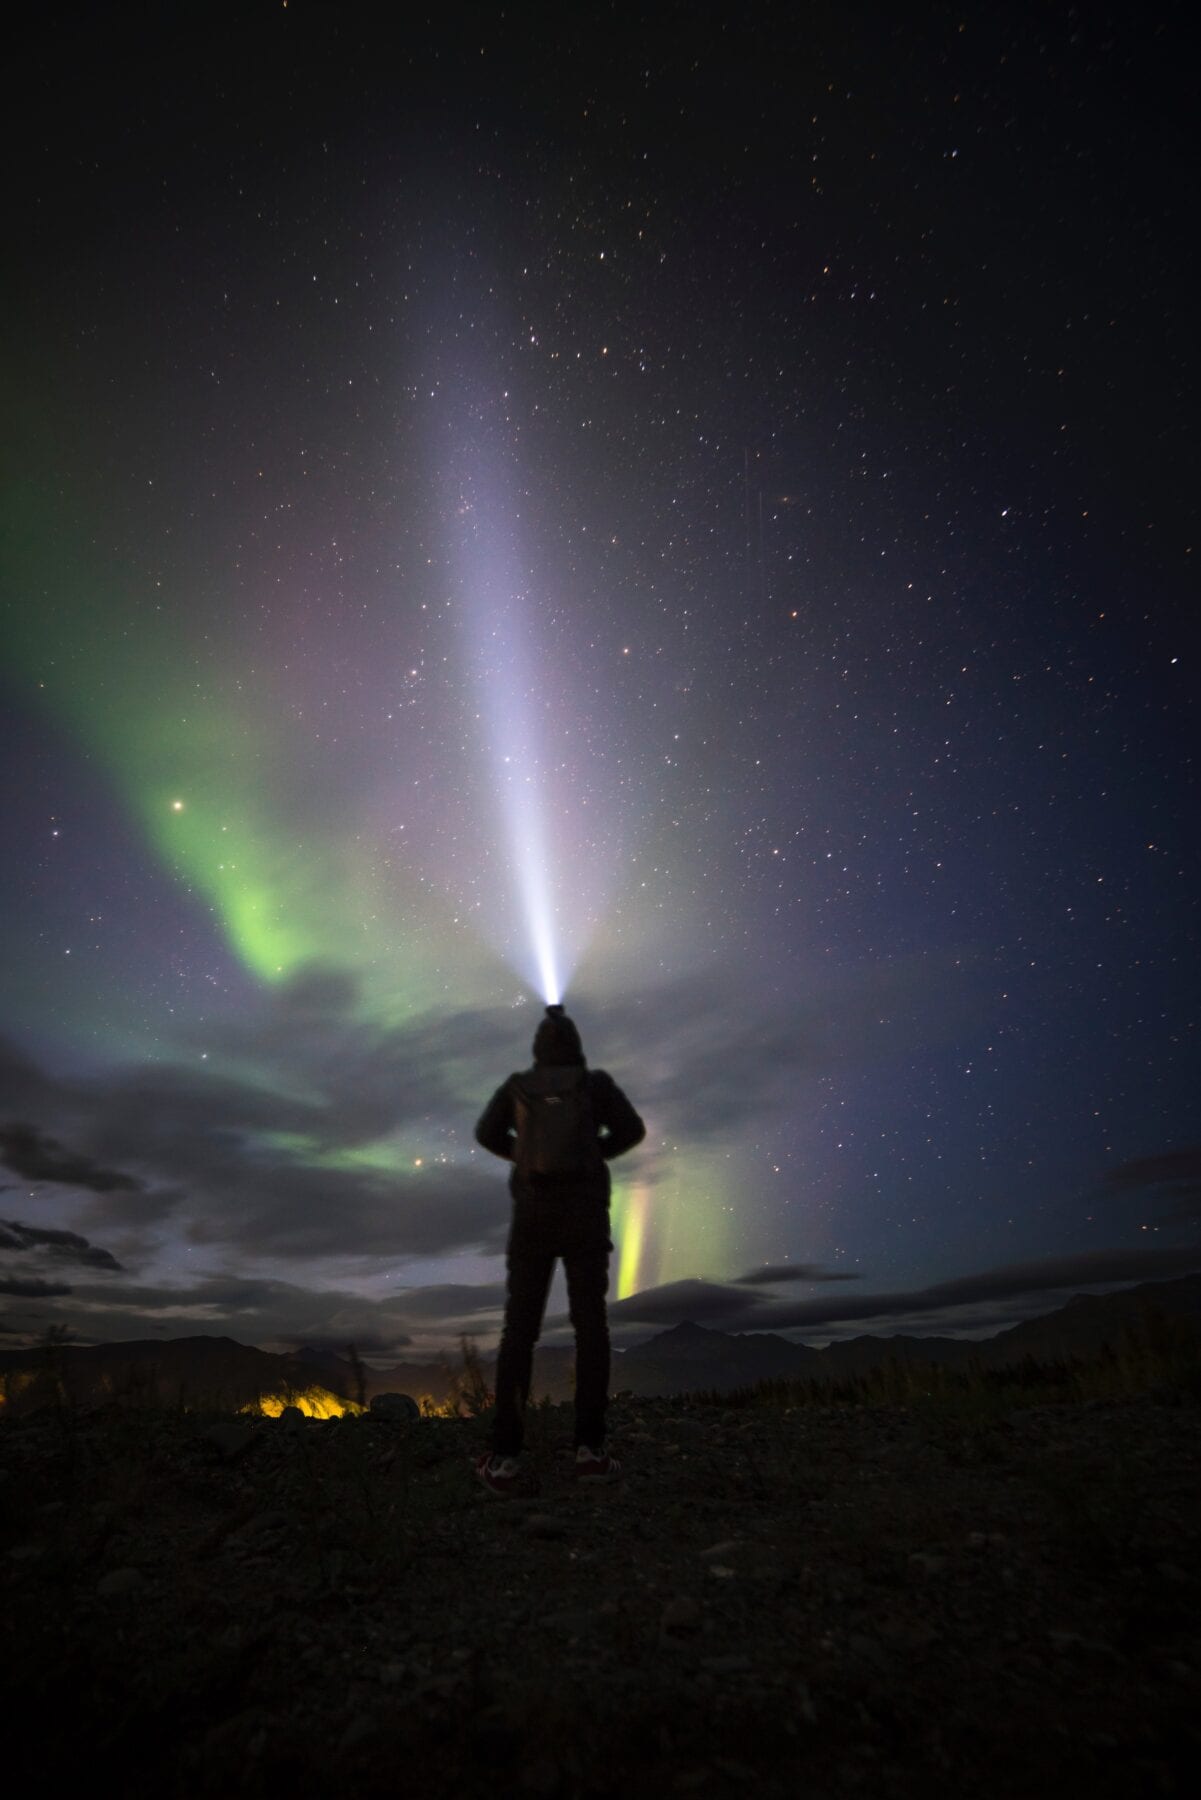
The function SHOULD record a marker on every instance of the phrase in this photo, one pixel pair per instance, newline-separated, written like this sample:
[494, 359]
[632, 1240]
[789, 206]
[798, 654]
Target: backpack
[556, 1131]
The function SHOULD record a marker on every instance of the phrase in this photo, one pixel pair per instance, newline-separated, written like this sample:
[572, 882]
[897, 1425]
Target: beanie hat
[556, 1039]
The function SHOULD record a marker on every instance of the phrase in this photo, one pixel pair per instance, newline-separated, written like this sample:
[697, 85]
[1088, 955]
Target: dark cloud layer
[286, 1314]
[1174, 1178]
[29, 1152]
[775, 1274]
[243, 1163]
[62, 1246]
[248, 1151]
[1005, 1286]
[450, 1300]
[704, 1302]
[264, 1311]
[31, 1287]
[260, 1153]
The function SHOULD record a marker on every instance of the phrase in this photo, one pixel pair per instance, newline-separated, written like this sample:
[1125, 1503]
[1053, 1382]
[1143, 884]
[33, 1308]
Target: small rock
[231, 1440]
[117, 1582]
[721, 1570]
[681, 1614]
[394, 1406]
[926, 1563]
[544, 1525]
[718, 1552]
[726, 1665]
[291, 1420]
[391, 1674]
[24, 1553]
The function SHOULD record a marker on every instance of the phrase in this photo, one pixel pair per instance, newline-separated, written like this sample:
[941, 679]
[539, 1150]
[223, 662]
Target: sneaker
[497, 1473]
[595, 1465]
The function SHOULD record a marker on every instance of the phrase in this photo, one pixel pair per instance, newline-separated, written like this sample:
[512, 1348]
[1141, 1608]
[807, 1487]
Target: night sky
[691, 505]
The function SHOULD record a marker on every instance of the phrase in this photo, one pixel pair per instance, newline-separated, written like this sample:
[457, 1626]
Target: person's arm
[495, 1127]
[621, 1128]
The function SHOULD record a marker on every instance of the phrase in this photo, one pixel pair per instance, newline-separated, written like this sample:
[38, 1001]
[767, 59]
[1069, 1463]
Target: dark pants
[531, 1263]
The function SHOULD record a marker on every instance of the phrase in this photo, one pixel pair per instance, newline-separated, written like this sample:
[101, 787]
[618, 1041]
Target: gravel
[826, 1600]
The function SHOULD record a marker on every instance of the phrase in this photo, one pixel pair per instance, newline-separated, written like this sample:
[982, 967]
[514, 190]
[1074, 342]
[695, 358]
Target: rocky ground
[833, 1600]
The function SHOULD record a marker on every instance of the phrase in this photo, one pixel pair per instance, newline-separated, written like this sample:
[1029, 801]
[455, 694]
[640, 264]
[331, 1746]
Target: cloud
[31, 1287]
[772, 1274]
[286, 1208]
[345, 1079]
[231, 1161]
[62, 1246]
[294, 1139]
[23, 1087]
[1007, 1290]
[450, 1300]
[1012, 1281]
[27, 1151]
[1174, 1176]
[696, 1060]
[288, 1315]
[676, 1301]
[276, 1144]
[268, 1312]
[707, 1059]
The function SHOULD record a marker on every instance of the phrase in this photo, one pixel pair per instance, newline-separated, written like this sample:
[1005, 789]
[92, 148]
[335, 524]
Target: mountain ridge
[684, 1358]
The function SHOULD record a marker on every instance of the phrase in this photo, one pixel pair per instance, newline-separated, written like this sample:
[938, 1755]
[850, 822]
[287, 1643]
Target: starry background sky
[718, 480]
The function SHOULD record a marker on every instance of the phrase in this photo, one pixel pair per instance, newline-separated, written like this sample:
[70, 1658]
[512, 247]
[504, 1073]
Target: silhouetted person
[560, 1124]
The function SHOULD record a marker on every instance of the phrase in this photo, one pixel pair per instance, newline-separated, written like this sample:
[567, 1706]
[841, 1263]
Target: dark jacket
[618, 1129]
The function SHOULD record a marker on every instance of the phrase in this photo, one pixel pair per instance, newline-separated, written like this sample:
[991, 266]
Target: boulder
[394, 1406]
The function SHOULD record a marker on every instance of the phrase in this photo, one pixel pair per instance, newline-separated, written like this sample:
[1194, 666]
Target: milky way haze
[696, 512]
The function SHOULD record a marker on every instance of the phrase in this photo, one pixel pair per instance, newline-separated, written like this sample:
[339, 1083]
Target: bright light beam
[513, 698]
[527, 839]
